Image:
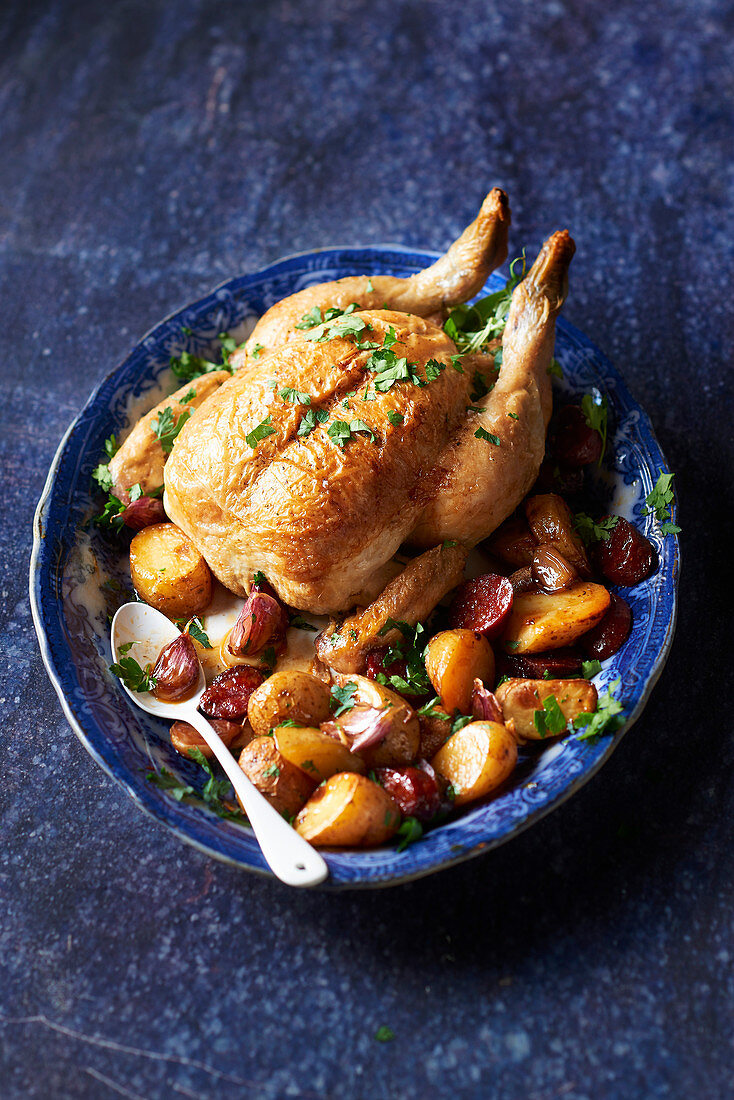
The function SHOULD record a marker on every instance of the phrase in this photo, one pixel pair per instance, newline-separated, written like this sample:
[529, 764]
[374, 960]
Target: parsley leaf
[597, 417]
[132, 675]
[343, 326]
[433, 709]
[395, 418]
[607, 717]
[480, 433]
[433, 369]
[339, 432]
[551, 719]
[370, 287]
[410, 649]
[257, 351]
[590, 668]
[194, 629]
[294, 397]
[261, 431]
[471, 327]
[311, 419]
[300, 623]
[590, 531]
[342, 698]
[166, 427]
[214, 790]
[360, 426]
[168, 782]
[555, 369]
[112, 513]
[188, 366]
[659, 500]
[101, 474]
[410, 830]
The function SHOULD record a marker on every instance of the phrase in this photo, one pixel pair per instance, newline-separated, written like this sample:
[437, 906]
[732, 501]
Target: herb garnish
[597, 416]
[384, 1034]
[311, 419]
[188, 366]
[294, 397]
[132, 675]
[550, 720]
[590, 531]
[166, 427]
[659, 500]
[481, 433]
[395, 418]
[342, 698]
[341, 432]
[471, 327]
[195, 629]
[261, 431]
[410, 649]
[607, 717]
[300, 623]
[410, 830]
[257, 351]
[590, 668]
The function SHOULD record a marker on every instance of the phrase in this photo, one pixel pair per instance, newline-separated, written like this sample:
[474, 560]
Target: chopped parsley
[590, 668]
[166, 427]
[340, 432]
[342, 698]
[311, 419]
[294, 397]
[472, 327]
[370, 287]
[212, 793]
[410, 830]
[433, 369]
[188, 366]
[194, 629]
[410, 649]
[271, 770]
[342, 326]
[481, 433]
[168, 782]
[597, 417]
[257, 351]
[261, 431]
[101, 474]
[112, 514]
[132, 675]
[607, 718]
[659, 501]
[555, 370]
[590, 531]
[188, 396]
[300, 623]
[550, 721]
[395, 418]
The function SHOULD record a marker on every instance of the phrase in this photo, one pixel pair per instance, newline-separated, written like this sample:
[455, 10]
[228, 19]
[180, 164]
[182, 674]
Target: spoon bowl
[141, 632]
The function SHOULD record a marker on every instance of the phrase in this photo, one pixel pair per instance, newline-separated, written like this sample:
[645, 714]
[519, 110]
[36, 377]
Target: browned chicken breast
[314, 464]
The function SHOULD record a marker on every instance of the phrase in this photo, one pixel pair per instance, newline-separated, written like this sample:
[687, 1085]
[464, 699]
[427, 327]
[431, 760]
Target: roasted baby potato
[315, 753]
[476, 759]
[288, 694]
[349, 810]
[168, 572]
[234, 734]
[284, 785]
[540, 621]
[551, 522]
[520, 699]
[454, 659]
[400, 743]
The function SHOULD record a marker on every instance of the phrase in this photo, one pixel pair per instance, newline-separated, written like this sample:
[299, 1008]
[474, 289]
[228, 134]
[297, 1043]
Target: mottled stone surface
[150, 150]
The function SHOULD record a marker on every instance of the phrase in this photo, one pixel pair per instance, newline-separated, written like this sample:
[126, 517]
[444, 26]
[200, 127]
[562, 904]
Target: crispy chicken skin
[319, 519]
[482, 483]
[457, 276]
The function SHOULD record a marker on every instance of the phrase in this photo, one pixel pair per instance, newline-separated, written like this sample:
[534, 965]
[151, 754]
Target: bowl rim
[160, 810]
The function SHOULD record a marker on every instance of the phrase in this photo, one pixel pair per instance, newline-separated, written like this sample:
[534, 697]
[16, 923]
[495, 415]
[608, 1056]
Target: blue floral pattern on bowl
[72, 569]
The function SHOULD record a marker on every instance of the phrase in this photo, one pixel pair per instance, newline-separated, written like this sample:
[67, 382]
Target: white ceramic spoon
[290, 857]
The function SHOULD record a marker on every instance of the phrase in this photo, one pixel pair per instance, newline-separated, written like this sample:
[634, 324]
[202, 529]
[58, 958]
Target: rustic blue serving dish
[76, 575]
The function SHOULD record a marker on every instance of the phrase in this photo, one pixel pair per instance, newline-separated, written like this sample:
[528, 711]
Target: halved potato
[454, 659]
[288, 694]
[400, 744]
[476, 759]
[284, 785]
[168, 572]
[348, 811]
[540, 621]
[520, 699]
[315, 753]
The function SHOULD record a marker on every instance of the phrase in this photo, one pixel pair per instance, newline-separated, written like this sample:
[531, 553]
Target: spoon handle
[290, 857]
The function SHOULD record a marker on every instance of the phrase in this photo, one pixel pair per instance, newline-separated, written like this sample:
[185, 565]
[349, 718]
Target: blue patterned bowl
[73, 570]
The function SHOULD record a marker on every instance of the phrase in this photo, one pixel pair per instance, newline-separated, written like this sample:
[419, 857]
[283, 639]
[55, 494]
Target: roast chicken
[334, 445]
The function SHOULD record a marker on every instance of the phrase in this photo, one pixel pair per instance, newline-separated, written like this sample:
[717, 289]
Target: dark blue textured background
[150, 150]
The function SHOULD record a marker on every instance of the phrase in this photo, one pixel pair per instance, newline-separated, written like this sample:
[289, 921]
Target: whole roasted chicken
[352, 426]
